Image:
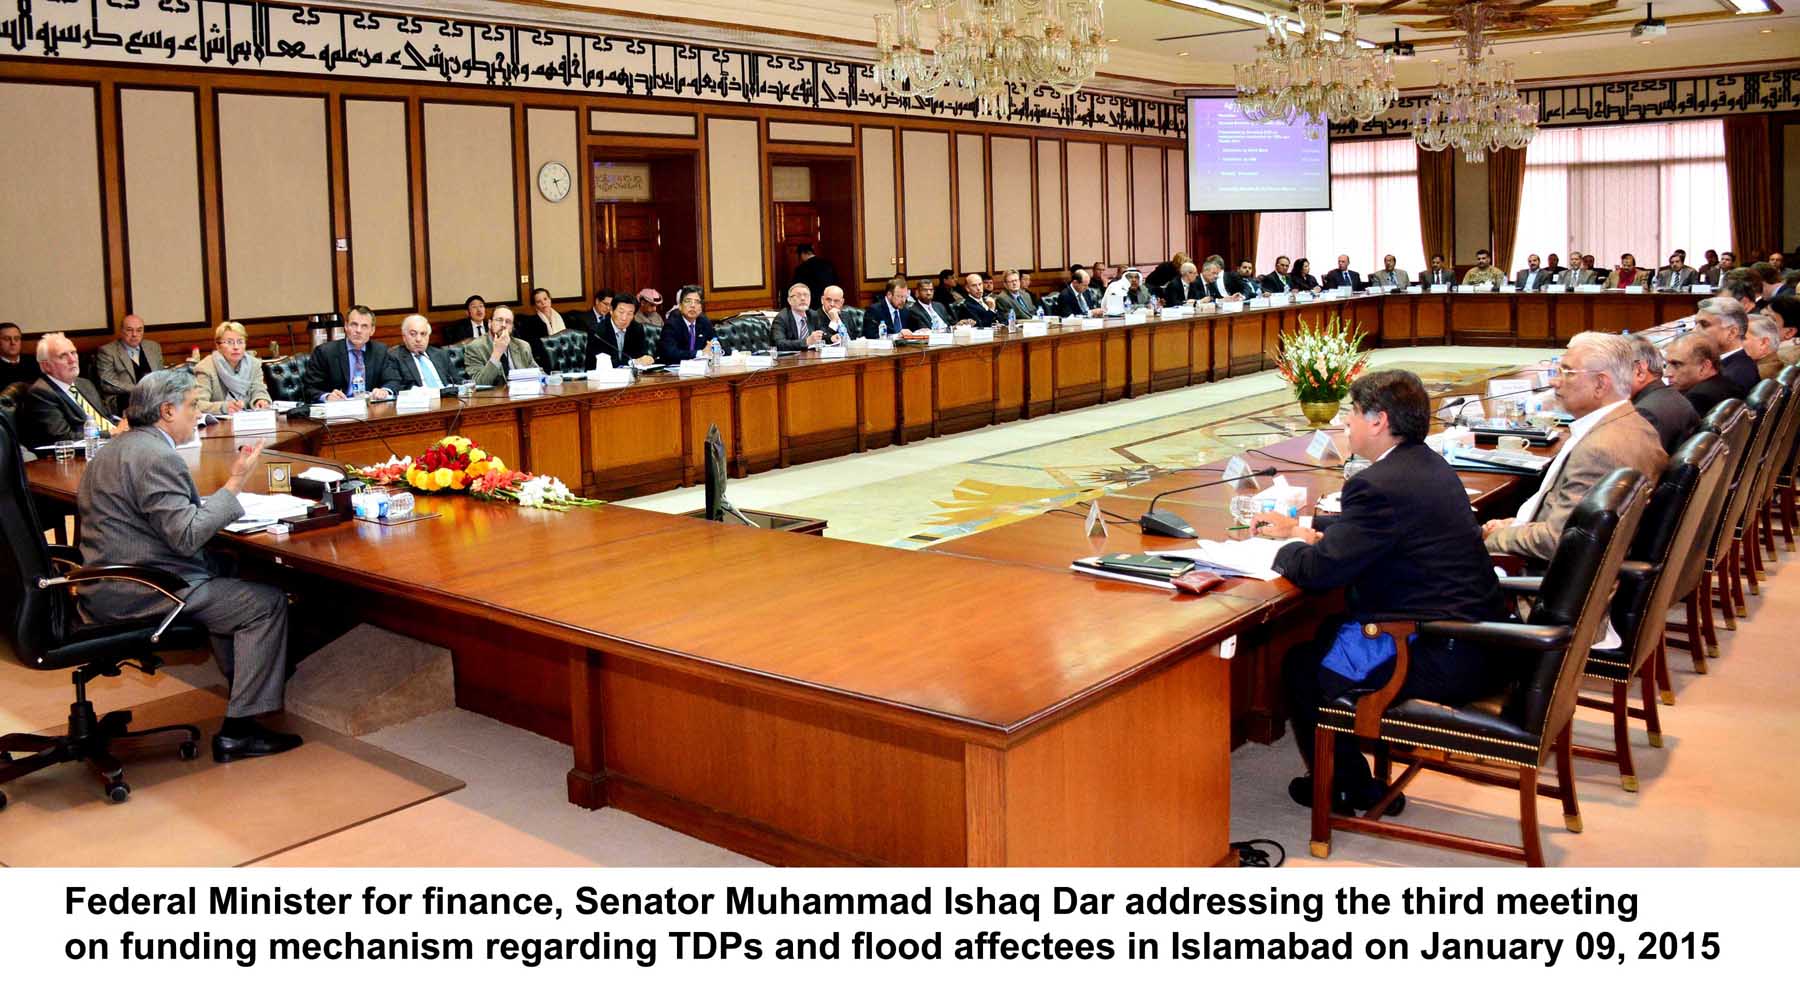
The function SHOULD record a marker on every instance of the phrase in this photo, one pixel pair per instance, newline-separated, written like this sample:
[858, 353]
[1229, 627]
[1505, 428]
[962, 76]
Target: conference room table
[807, 700]
[616, 442]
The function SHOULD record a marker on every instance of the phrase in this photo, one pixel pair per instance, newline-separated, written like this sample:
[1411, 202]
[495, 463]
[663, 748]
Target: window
[1647, 189]
[1374, 212]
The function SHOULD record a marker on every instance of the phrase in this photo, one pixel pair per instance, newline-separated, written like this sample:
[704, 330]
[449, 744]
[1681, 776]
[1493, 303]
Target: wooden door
[627, 240]
[796, 224]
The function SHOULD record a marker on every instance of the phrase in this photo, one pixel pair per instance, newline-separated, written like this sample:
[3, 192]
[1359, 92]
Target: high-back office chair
[567, 351]
[285, 377]
[1749, 530]
[852, 318]
[456, 355]
[1764, 402]
[1640, 606]
[1783, 503]
[1781, 447]
[45, 631]
[1518, 729]
[12, 397]
[745, 333]
[1731, 421]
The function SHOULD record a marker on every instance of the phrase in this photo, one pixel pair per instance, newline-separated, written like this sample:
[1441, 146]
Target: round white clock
[554, 181]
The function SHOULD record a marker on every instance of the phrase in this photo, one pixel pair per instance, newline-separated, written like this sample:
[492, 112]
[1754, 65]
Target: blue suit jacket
[674, 346]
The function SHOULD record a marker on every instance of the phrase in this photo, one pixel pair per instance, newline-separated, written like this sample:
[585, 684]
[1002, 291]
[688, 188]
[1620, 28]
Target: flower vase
[1319, 412]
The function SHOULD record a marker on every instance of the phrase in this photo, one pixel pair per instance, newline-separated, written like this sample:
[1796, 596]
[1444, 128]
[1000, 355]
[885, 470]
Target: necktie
[506, 362]
[481, 331]
[88, 409]
[356, 367]
[427, 372]
[693, 337]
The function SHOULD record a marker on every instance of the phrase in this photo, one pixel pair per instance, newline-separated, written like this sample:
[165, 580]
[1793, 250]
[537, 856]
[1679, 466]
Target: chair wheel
[118, 793]
[188, 750]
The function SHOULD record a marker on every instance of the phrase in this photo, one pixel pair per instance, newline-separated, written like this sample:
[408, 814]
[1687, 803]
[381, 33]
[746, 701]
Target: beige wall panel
[789, 131]
[54, 280]
[469, 205]
[1177, 164]
[925, 197]
[1118, 207]
[1790, 188]
[555, 228]
[1050, 206]
[1012, 203]
[625, 122]
[1471, 210]
[971, 202]
[381, 245]
[735, 199]
[1086, 212]
[162, 205]
[275, 181]
[881, 224]
[1148, 229]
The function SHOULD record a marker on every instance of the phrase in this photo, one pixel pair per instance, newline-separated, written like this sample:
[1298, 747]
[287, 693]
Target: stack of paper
[1250, 557]
[272, 507]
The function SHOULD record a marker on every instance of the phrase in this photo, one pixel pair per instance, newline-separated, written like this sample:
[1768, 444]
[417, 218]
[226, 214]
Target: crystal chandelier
[986, 47]
[1305, 70]
[1476, 105]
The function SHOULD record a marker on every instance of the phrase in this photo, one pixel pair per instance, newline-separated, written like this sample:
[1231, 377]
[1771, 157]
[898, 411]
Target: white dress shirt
[1584, 424]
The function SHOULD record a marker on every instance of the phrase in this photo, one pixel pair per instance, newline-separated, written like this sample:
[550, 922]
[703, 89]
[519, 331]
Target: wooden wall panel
[1011, 199]
[275, 187]
[1149, 232]
[54, 277]
[381, 243]
[1118, 207]
[881, 225]
[1177, 167]
[925, 200]
[971, 203]
[735, 201]
[1087, 235]
[470, 203]
[1051, 253]
[161, 166]
[555, 227]
[829, 134]
[623, 122]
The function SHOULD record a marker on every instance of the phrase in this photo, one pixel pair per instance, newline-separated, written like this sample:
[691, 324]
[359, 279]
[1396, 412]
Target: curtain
[1242, 239]
[1647, 189]
[1374, 212]
[1437, 203]
[1747, 156]
[1506, 181]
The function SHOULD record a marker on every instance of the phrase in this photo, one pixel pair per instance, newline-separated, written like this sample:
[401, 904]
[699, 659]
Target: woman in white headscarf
[231, 379]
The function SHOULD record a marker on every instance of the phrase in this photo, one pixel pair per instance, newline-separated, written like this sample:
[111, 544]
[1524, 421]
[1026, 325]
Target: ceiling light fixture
[1317, 74]
[986, 48]
[1476, 106]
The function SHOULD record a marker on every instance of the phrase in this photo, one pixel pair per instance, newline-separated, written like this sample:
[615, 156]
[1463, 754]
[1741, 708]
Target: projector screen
[1236, 164]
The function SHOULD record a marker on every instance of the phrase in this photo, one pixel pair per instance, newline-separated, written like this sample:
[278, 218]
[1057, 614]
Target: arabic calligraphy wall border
[355, 43]
[1629, 101]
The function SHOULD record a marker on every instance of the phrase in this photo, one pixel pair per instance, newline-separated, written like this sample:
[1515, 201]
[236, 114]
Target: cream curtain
[1374, 212]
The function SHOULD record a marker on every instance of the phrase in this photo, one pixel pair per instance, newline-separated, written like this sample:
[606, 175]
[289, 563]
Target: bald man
[122, 362]
[418, 363]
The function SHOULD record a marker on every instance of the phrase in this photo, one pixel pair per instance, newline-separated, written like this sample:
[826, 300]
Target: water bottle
[881, 331]
[356, 385]
[90, 438]
[1012, 318]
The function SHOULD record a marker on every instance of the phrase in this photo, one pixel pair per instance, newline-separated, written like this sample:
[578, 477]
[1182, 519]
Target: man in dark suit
[1343, 277]
[1533, 276]
[1693, 366]
[949, 291]
[1014, 300]
[1185, 287]
[1662, 405]
[1244, 281]
[1166, 271]
[1278, 280]
[975, 309]
[1438, 274]
[15, 365]
[1407, 548]
[815, 272]
[593, 318]
[1677, 275]
[139, 507]
[620, 338]
[797, 326]
[473, 325]
[120, 363]
[1554, 265]
[332, 369]
[61, 402]
[1212, 279]
[1073, 301]
[688, 330]
[932, 314]
[890, 311]
[418, 363]
[1723, 320]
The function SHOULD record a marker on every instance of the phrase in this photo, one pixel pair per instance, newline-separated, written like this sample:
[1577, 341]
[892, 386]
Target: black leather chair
[1783, 506]
[1756, 484]
[1728, 562]
[1781, 446]
[285, 377]
[45, 630]
[1732, 422]
[852, 317]
[567, 351]
[1640, 605]
[1520, 728]
[12, 396]
[456, 354]
[745, 333]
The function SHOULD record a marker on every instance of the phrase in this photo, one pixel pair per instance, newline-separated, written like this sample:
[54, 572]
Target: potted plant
[1321, 361]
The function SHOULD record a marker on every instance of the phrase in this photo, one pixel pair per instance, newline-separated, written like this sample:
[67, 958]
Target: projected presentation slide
[1236, 164]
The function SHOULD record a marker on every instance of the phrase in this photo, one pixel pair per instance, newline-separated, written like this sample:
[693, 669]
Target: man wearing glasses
[1594, 384]
[1693, 365]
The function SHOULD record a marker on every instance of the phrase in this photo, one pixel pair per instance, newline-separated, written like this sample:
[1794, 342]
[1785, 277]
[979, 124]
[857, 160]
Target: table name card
[1032, 329]
[692, 367]
[611, 378]
[976, 334]
[1589, 288]
[941, 338]
[414, 399]
[1234, 306]
[833, 352]
[1556, 288]
[1635, 288]
[1439, 288]
[356, 408]
[257, 422]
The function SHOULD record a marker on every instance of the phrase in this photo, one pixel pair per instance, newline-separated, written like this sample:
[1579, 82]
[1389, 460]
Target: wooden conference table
[805, 700]
[648, 437]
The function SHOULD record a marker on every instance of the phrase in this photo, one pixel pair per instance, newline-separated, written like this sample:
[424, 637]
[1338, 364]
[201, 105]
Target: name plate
[1303, 296]
[941, 338]
[1507, 288]
[1259, 302]
[735, 360]
[876, 343]
[611, 377]
[757, 361]
[976, 334]
[1232, 306]
[1322, 445]
[1700, 288]
[1090, 324]
[1589, 288]
[1415, 288]
[1483, 288]
[533, 387]
[253, 422]
[1439, 288]
[1032, 329]
[1554, 288]
[692, 367]
[1137, 317]
[415, 399]
[525, 373]
[1634, 288]
[356, 408]
[833, 352]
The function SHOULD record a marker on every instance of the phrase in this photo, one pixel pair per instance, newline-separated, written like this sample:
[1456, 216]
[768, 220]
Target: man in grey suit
[490, 361]
[797, 326]
[1014, 302]
[1662, 405]
[61, 402]
[418, 363]
[1533, 276]
[1724, 321]
[139, 507]
[1677, 275]
[120, 363]
[1594, 384]
[1389, 277]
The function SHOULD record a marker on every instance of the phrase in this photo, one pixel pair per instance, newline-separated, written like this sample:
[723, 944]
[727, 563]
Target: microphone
[1172, 525]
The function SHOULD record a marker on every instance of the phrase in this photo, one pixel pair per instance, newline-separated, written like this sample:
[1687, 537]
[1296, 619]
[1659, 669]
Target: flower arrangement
[1321, 362]
[456, 464]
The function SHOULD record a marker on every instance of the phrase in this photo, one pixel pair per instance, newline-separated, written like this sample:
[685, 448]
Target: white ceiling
[1168, 43]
